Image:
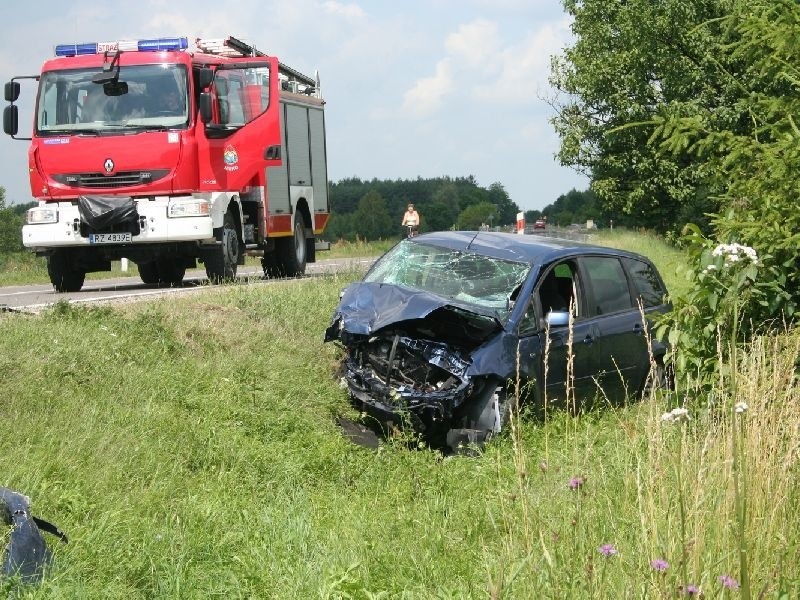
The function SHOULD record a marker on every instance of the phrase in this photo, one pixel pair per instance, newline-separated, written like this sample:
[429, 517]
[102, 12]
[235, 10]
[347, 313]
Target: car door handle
[588, 340]
[638, 329]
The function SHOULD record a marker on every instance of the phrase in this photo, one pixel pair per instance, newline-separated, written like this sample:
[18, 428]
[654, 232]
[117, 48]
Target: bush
[735, 294]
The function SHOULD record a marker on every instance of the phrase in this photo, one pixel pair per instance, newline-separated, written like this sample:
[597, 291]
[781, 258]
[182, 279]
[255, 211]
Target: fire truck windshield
[144, 97]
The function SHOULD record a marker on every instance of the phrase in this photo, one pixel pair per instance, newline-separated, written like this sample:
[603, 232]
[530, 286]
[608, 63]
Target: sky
[414, 88]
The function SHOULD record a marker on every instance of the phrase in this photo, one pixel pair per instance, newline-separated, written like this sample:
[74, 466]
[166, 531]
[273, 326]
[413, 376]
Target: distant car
[444, 324]
[540, 224]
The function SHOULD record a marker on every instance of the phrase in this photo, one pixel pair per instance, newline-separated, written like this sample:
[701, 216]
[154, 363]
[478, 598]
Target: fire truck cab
[165, 155]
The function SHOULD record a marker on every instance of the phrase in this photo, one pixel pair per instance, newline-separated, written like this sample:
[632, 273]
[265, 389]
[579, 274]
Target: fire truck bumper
[160, 219]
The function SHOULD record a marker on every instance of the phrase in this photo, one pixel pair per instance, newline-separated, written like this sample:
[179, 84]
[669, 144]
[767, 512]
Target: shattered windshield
[144, 97]
[464, 276]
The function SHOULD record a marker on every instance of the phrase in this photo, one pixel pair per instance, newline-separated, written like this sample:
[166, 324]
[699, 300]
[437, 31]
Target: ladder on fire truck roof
[232, 46]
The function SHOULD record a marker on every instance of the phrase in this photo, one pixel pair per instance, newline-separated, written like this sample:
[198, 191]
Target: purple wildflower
[607, 550]
[576, 482]
[728, 582]
[659, 564]
[692, 590]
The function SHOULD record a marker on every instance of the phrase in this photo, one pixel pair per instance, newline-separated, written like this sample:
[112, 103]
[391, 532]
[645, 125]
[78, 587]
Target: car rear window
[646, 281]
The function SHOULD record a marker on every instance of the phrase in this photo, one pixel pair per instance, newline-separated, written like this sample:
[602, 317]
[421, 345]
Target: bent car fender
[26, 554]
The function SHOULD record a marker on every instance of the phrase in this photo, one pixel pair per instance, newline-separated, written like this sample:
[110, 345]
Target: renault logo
[108, 165]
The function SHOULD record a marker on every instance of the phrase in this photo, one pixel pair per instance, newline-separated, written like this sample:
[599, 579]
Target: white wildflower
[740, 407]
[733, 253]
[680, 414]
[710, 268]
[676, 415]
[343, 383]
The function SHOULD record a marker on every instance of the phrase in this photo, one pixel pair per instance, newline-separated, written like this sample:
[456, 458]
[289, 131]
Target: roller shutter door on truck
[278, 178]
[319, 169]
[297, 139]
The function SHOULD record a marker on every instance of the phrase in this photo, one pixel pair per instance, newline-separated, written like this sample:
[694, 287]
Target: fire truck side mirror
[12, 91]
[11, 120]
[204, 78]
[206, 112]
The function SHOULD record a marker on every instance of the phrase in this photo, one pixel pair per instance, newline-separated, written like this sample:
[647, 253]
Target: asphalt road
[33, 298]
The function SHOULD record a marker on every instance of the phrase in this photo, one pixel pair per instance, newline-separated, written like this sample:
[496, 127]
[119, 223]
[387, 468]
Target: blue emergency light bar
[154, 45]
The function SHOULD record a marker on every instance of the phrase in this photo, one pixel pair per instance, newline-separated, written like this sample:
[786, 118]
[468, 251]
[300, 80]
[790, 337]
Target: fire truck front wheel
[64, 276]
[221, 262]
[148, 272]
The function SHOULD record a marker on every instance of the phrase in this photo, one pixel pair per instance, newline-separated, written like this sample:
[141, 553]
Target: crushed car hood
[366, 308]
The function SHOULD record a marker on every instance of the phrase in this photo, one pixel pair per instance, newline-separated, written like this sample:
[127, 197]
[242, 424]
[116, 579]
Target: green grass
[347, 249]
[21, 268]
[24, 268]
[188, 448]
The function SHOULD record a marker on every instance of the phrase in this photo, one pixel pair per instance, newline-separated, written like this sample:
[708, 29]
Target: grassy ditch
[188, 448]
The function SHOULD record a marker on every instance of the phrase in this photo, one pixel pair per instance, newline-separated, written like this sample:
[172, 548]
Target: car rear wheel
[658, 378]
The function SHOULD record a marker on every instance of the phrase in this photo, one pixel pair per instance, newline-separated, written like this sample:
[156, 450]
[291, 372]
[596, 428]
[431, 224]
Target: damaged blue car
[448, 330]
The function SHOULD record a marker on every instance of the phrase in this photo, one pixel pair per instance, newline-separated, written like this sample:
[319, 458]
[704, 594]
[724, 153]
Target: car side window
[648, 284]
[609, 285]
[557, 291]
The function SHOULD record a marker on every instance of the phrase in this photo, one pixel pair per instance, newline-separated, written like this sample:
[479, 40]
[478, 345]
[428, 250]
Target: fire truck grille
[116, 180]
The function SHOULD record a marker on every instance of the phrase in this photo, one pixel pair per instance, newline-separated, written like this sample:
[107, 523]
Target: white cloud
[526, 66]
[491, 69]
[428, 93]
[350, 11]
[475, 43]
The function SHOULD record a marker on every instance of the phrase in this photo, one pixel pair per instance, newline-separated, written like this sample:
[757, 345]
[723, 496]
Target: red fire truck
[165, 155]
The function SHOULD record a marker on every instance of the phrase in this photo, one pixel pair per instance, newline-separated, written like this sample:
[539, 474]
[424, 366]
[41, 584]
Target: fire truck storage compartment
[297, 139]
[304, 164]
[319, 166]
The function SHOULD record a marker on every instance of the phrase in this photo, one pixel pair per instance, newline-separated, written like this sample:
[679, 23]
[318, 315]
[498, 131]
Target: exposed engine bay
[405, 373]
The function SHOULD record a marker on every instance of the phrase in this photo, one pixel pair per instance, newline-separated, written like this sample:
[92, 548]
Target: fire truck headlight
[193, 207]
[41, 214]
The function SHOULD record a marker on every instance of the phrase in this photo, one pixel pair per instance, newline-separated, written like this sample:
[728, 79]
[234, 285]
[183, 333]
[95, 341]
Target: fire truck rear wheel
[270, 264]
[221, 263]
[64, 276]
[292, 250]
[170, 271]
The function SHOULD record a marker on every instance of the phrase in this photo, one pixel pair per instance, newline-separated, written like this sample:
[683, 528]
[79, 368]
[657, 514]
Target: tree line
[373, 209]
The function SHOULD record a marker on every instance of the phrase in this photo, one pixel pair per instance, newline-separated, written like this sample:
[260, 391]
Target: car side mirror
[557, 318]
